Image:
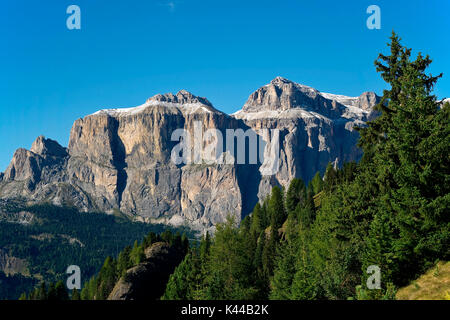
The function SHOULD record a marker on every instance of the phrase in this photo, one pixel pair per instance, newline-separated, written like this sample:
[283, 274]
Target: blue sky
[127, 51]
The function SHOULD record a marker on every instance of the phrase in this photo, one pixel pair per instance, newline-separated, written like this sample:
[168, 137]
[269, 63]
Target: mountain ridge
[120, 159]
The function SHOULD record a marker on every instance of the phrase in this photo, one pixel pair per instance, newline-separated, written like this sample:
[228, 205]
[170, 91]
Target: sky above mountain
[128, 51]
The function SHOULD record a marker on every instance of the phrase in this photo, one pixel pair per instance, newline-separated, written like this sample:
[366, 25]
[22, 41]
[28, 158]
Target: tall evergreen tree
[276, 209]
[295, 195]
[317, 183]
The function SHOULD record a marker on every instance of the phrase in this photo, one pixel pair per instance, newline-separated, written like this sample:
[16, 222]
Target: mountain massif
[120, 159]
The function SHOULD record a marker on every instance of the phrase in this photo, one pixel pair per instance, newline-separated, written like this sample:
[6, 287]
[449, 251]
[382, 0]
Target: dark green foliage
[330, 178]
[295, 195]
[276, 209]
[316, 183]
[13, 285]
[306, 213]
[186, 283]
[75, 295]
[410, 230]
[284, 271]
[99, 236]
[52, 292]
[100, 286]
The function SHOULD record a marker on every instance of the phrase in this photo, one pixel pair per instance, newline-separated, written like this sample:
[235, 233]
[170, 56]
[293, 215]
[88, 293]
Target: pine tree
[137, 253]
[295, 195]
[276, 209]
[330, 178]
[107, 278]
[178, 284]
[269, 253]
[401, 144]
[257, 224]
[284, 271]
[75, 295]
[52, 294]
[42, 293]
[317, 183]
[123, 261]
[61, 291]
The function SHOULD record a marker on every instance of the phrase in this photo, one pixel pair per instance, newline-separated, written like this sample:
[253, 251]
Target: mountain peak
[43, 147]
[280, 94]
[183, 100]
[279, 80]
[181, 97]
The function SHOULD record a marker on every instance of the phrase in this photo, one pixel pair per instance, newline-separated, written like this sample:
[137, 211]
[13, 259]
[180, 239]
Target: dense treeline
[12, 286]
[261, 258]
[53, 292]
[99, 286]
[58, 237]
[316, 241]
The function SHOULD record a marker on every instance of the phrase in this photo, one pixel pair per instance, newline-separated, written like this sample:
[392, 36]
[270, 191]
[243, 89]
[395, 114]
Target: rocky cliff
[161, 259]
[12, 265]
[315, 128]
[123, 159]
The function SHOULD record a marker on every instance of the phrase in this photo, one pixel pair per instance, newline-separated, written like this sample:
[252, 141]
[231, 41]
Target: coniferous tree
[284, 271]
[410, 204]
[75, 295]
[317, 183]
[42, 292]
[257, 224]
[295, 195]
[123, 261]
[276, 209]
[330, 178]
[61, 291]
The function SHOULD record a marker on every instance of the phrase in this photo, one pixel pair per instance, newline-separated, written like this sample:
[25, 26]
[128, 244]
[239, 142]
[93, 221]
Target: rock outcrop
[12, 265]
[315, 128]
[160, 262]
[122, 159]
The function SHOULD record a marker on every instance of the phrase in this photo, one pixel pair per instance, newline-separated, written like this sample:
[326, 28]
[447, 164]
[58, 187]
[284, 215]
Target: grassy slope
[433, 285]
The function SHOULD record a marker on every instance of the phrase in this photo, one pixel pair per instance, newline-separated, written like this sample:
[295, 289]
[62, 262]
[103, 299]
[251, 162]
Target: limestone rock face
[48, 148]
[36, 172]
[315, 128]
[122, 159]
[161, 260]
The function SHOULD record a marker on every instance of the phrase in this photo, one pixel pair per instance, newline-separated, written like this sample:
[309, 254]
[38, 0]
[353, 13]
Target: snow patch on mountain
[187, 108]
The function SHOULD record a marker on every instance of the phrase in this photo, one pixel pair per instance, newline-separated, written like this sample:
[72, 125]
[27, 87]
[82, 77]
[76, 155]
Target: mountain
[121, 159]
[315, 127]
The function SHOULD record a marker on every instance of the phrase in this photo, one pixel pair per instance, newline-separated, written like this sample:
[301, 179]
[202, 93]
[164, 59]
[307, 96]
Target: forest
[58, 237]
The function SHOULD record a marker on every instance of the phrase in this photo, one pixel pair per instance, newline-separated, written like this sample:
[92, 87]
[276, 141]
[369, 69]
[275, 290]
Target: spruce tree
[295, 195]
[75, 296]
[276, 209]
[284, 271]
[401, 144]
[316, 183]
